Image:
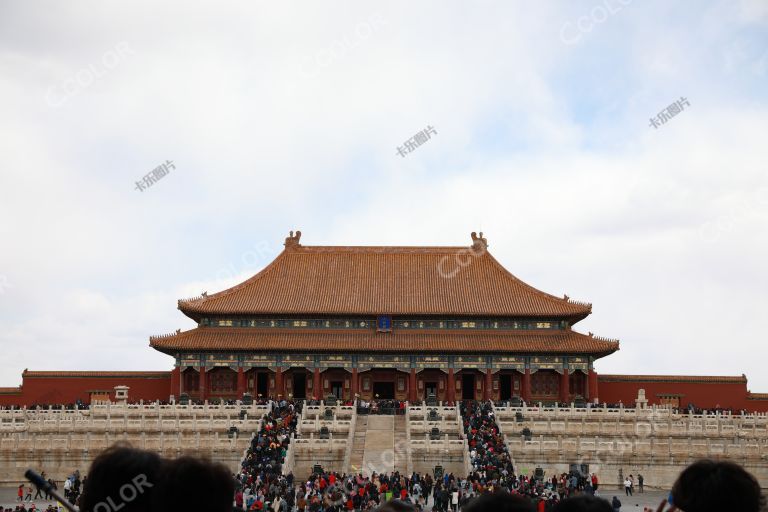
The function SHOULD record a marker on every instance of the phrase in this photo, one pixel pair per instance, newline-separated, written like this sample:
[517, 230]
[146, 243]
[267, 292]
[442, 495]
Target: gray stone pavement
[649, 498]
[8, 499]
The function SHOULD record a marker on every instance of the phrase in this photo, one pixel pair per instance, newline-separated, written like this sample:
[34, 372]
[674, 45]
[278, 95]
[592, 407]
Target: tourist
[616, 504]
[499, 501]
[53, 486]
[38, 494]
[628, 486]
[713, 486]
[395, 506]
[189, 483]
[67, 488]
[594, 481]
[640, 482]
[583, 503]
[20, 494]
[121, 478]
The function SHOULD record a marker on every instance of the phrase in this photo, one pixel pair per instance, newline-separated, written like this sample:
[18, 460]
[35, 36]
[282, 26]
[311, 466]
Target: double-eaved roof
[321, 280]
[443, 341]
[406, 282]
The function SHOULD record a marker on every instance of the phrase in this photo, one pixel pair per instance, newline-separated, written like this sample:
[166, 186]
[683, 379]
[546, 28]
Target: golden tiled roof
[706, 379]
[458, 281]
[433, 341]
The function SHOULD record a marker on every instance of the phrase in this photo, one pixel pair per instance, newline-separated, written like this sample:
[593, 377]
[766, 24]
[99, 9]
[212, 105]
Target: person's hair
[190, 484]
[501, 501]
[708, 485]
[583, 503]
[121, 475]
[395, 506]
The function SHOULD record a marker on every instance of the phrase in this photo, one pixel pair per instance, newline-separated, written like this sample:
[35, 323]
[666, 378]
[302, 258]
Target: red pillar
[316, 389]
[412, 386]
[487, 385]
[176, 382]
[203, 384]
[240, 382]
[354, 382]
[527, 386]
[279, 391]
[565, 391]
[451, 386]
[592, 386]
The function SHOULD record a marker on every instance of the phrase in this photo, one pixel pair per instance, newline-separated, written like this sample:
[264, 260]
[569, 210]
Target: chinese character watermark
[417, 140]
[57, 95]
[158, 173]
[747, 208]
[4, 284]
[669, 112]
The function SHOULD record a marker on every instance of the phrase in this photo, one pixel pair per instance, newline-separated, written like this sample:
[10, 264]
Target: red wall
[64, 389]
[68, 387]
[702, 394]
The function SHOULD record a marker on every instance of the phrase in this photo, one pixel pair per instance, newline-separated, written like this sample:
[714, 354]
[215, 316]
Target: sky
[551, 130]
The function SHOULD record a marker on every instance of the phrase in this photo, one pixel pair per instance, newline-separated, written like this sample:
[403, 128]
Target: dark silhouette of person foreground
[714, 486]
[131, 480]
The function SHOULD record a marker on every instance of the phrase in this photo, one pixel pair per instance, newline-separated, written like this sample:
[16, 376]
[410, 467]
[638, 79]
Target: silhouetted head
[395, 506]
[709, 485]
[583, 503]
[501, 501]
[121, 478]
[193, 484]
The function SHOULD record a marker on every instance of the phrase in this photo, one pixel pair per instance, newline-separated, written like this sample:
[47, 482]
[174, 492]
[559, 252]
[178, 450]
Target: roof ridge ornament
[479, 243]
[293, 240]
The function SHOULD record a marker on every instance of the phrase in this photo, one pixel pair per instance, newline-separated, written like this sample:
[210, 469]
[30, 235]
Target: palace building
[385, 322]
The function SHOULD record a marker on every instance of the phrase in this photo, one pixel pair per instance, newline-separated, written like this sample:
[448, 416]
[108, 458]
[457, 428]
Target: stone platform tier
[449, 449]
[324, 436]
[655, 441]
[60, 441]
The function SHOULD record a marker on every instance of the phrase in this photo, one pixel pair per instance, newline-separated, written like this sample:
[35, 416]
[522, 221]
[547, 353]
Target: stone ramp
[379, 454]
[401, 462]
[358, 445]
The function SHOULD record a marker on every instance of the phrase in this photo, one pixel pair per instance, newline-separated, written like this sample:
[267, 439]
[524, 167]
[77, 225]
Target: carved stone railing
[660, 449]
[350, 442]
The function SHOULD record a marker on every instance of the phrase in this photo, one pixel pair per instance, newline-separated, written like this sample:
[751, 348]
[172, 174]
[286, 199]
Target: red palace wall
[702, 392]
[68, 387]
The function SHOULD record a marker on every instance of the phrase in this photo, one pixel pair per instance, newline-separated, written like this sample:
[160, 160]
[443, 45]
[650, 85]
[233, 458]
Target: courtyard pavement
[8, 499]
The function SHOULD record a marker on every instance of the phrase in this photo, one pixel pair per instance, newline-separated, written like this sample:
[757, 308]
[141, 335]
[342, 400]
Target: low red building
[61, 387]
[682, 390]
[386, 322]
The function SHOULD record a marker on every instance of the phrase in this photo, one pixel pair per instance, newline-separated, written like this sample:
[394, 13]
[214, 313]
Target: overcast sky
[282, 115]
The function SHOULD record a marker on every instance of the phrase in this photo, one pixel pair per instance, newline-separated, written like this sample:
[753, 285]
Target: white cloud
[543, 145]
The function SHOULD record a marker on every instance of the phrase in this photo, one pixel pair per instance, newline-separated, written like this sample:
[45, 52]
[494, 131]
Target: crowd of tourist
[381, 406]
[487, 451]
[261, 483]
